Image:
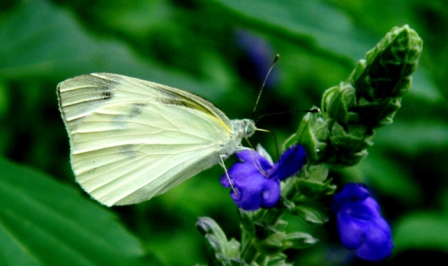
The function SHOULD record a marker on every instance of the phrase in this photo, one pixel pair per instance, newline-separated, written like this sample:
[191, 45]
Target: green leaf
[424, 230]
[314, 189]
[392, 179]
[43, 222]
[416, 136]
[299, 240]
[276, 242]
[42, 41]
[335, 32]
[304, 20]
[315, 173]
[312, 134]
[424, 88]
[221, 251]
[311, 214]
[134, 18]
[278, 260]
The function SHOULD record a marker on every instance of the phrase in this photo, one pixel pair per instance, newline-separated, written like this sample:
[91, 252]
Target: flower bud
[342, 132]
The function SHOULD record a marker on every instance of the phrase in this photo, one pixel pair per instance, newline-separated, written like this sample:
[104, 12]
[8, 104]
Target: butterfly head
[249, 127]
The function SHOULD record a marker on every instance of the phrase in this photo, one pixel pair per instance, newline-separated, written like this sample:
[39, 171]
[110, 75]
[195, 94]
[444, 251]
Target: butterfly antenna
[314, 110]
[264, 83]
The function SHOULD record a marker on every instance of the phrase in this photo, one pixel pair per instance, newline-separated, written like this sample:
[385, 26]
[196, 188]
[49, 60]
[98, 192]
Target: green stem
[248, 252]
[268, 217]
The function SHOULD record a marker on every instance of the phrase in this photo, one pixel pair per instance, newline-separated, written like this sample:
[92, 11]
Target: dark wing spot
[136, 109]
[128, 151]
[177, 102]
[139, 105]
[183, 101]
[106, 95]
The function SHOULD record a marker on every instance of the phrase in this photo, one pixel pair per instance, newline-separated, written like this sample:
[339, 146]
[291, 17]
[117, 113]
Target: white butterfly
[133, 139]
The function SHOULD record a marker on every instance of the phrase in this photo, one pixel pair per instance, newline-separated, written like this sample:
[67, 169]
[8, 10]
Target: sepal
[337, 103]
[312, 134]
[275, 240]
[314, 189]
[349, 144]
[313, 215]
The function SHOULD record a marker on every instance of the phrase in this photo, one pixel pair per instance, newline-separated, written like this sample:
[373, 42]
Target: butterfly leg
[221, 157]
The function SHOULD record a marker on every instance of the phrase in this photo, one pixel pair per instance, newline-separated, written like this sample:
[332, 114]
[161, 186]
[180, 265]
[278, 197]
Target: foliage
[194, 45]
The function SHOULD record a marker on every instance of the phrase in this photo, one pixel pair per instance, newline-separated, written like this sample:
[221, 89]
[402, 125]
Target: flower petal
[350, 230]
[253, 158]
[251, 163]
[289, 164]
[360, 224]
[256, 183]
[377, 246]
[253, 188]
[255, 191]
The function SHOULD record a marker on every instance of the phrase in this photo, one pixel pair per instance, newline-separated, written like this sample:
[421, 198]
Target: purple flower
[256, 181]
[259, 56]
[360, 224]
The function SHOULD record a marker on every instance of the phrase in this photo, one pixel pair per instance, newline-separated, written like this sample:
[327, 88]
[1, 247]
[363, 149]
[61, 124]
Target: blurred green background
[218, 49]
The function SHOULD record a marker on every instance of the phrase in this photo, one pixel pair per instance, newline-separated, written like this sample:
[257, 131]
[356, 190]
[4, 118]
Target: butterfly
[133, 139]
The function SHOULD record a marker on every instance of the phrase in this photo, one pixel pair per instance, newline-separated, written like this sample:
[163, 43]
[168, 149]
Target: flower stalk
[338, 136]
[341, 134]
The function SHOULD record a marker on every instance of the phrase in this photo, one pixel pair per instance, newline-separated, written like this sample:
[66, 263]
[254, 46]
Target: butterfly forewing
[133, 139]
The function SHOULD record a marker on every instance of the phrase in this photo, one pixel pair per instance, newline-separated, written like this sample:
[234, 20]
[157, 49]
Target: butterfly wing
[132, 139]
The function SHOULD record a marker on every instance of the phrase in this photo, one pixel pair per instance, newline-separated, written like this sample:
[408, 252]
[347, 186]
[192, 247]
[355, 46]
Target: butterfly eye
[249, 127]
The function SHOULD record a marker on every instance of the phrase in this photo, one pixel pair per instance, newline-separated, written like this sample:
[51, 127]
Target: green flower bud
[379, 112]
[342, 132]
[387, 70]
[312, 135]
[349, 144]
[336, 103]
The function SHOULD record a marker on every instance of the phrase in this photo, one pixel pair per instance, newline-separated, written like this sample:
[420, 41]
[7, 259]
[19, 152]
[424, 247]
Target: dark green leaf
[311, 214]
[43, 222]
[423, 230]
